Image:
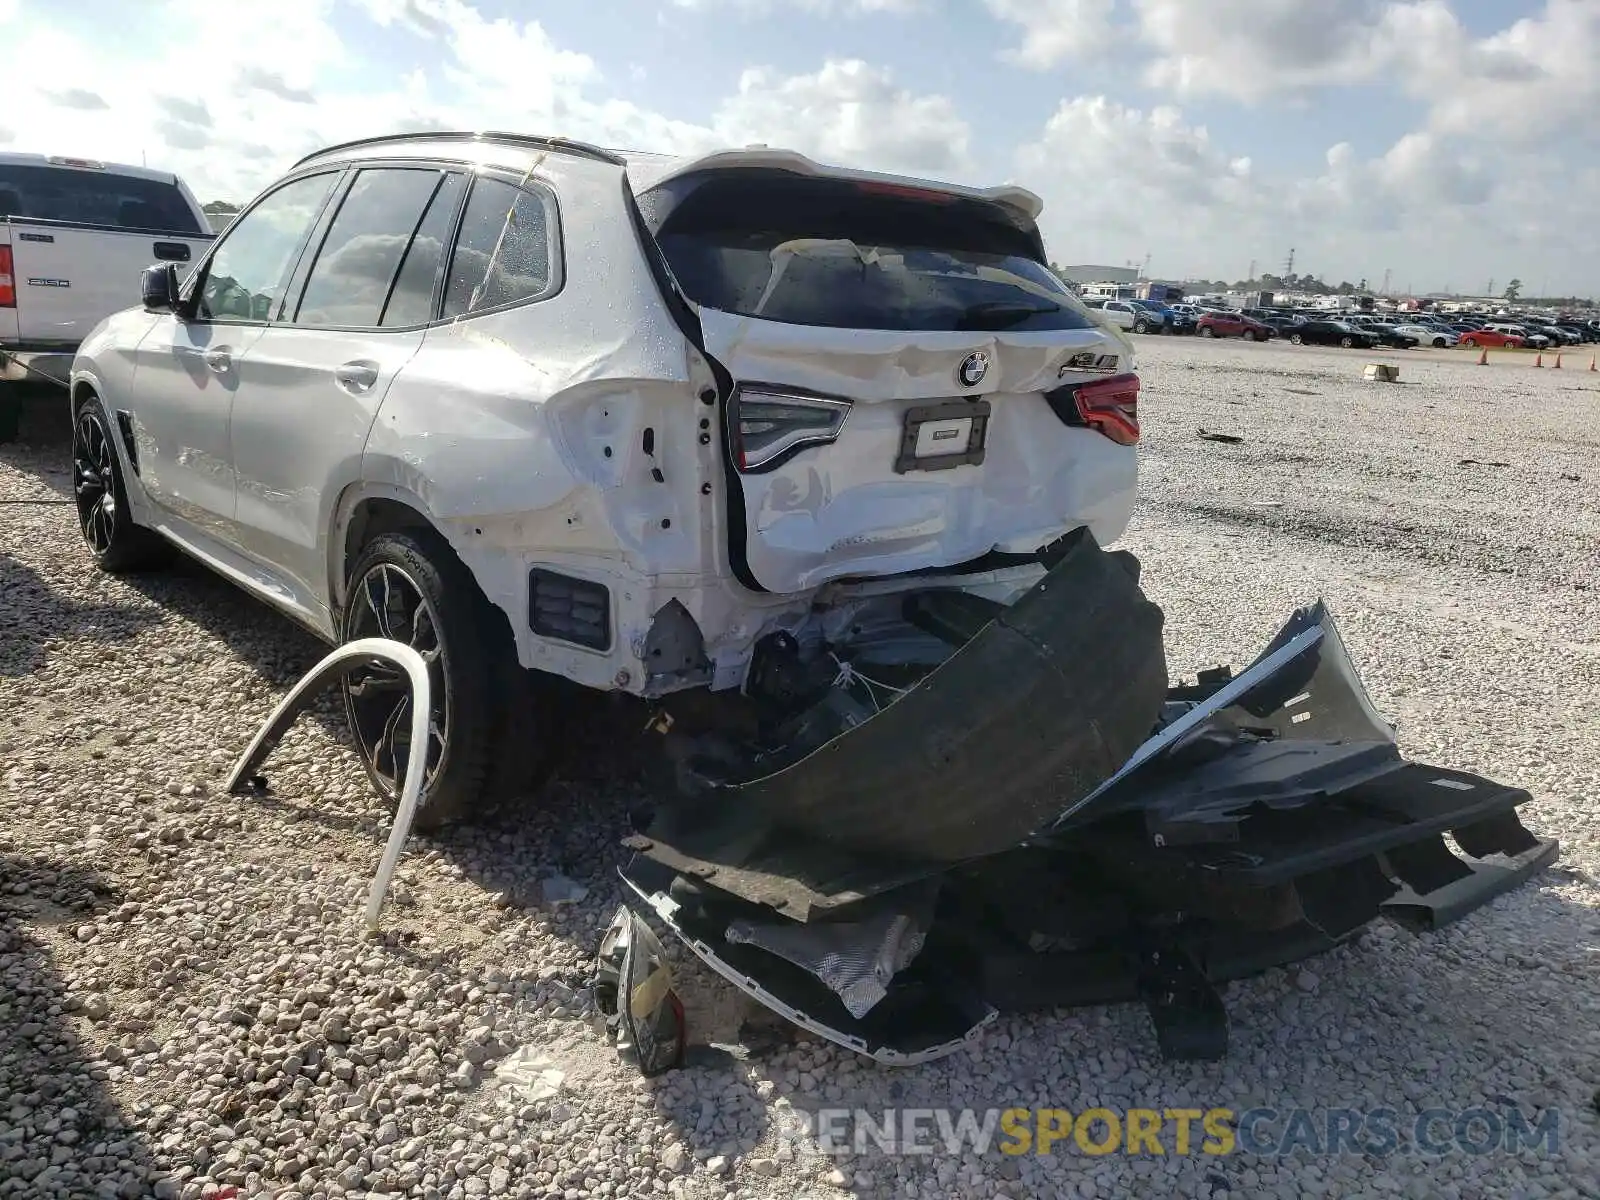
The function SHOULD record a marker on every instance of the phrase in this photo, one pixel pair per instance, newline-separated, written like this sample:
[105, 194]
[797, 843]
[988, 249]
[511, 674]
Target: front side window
[350, 280]
[781, 247]
[503, 253]
[246, 274]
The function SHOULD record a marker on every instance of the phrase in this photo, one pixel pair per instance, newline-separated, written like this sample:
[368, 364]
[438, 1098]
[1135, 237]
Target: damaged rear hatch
[912, 387]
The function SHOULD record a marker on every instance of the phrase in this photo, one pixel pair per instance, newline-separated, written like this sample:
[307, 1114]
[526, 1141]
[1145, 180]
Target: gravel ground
[187, 1002]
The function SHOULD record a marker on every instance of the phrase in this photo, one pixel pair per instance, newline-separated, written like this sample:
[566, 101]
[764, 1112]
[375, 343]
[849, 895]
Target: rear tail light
[8, 285]
[770, 426]
[1108, 406]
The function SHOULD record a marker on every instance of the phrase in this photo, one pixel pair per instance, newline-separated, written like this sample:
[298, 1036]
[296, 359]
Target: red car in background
[1215, 324]
[1491, 337]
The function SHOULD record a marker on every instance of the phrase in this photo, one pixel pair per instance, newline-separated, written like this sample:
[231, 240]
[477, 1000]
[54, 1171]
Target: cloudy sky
[1446, 141]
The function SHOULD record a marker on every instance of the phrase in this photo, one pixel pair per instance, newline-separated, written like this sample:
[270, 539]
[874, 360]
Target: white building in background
[1085, 274]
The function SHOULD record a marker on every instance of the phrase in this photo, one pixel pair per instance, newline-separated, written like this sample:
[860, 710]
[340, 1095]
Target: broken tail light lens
[770, 426]
[1108, 406]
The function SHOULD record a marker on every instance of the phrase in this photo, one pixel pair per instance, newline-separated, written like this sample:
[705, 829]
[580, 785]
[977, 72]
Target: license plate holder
[937, 437]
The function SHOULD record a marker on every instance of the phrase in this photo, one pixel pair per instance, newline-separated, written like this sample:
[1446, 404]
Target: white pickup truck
[74, 237]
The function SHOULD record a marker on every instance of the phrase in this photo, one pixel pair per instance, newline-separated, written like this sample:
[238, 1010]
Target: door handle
[219, 361]
[356, 377]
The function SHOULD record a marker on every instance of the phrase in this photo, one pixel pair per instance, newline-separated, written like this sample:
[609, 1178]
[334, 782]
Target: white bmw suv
[651, 425]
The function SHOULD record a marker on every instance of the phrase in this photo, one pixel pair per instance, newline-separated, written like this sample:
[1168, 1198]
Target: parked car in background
[556, 413]
[1492, 339]
[1557, 335]
[1172, 320]
[1215, 325]
[1437, 336]
[73, 232]
[1117, 314]
[1531, 338]
[1389, 335]
[1332, 333]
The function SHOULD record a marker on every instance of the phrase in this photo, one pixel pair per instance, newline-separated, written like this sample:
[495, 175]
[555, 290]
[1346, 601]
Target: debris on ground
[1207, 435]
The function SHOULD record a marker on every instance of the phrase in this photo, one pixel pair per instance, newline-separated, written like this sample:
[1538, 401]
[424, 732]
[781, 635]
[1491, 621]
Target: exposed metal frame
[332, 669]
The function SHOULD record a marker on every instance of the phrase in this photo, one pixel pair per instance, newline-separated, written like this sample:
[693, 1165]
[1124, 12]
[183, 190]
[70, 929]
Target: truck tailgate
[70, 277]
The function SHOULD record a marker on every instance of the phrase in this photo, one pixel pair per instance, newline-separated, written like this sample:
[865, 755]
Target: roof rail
[529, 141]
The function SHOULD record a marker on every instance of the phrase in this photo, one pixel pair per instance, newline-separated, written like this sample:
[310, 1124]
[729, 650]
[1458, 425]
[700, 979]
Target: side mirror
[158, 287]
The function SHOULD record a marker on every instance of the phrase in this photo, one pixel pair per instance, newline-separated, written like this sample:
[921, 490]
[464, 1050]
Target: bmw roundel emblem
[973, 368]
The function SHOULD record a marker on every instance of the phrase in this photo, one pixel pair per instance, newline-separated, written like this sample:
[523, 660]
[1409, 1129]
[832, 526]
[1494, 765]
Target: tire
[485, 705]
[116, 544]
[1296, 339]
[1347, 341]
[1249, 335]
[1141, 327]
[1438, 343]
[1207, 331]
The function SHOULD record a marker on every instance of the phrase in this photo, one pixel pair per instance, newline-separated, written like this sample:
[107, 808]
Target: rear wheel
[104, 518]
[1347, 341]
[1296, 339]
[485, 738]
[1438, 343]
[1207, 331]
[1141, 327]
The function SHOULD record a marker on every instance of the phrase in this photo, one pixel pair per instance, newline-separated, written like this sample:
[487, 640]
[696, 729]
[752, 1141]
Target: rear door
[80, 236]
[892, 349]
[312, 383]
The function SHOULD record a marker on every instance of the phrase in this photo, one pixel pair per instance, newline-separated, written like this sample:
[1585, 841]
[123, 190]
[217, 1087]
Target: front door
[190, 367]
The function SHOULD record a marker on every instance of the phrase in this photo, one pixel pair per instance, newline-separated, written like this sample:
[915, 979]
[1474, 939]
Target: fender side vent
[569, 610]
[125, 428]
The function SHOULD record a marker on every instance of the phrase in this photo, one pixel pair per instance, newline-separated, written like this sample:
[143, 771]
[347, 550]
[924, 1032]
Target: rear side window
[361, 253]
[782, 247]
[411, 302]
[503, 253]
[95, 198]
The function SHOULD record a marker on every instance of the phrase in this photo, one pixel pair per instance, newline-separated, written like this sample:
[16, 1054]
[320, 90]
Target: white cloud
[847, 112]
[850, 8]
[1054, 31]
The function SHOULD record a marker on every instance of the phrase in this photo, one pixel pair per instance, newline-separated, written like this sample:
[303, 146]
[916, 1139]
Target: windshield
[94, 198]
[783, 247]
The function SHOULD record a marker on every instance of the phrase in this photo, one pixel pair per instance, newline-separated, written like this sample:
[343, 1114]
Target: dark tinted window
[411, 302]
[245, 275]
[94, 197]
[778, 246]
[350, 280]
[503, 253]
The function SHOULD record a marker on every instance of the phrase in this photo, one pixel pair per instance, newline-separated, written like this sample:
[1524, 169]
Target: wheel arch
[362, 513]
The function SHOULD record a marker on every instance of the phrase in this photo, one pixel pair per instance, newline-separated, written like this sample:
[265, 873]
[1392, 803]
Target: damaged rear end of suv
[962, 784]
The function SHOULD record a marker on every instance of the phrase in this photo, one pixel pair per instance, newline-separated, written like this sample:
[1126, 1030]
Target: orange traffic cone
[1591, 362]
[1557, 365]
[1483, 357]
[1539, 361]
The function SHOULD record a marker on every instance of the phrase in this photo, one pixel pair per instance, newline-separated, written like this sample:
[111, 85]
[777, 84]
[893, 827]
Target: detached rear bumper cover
[1270, 816]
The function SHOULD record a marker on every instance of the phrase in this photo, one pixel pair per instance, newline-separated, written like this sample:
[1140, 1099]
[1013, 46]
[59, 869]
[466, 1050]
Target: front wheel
[409, 587]
[1347, 342]
[1249, 335]
[1141, 327]
[1438, 343]
[1296, 339]
[104, 518]
[1208, 332]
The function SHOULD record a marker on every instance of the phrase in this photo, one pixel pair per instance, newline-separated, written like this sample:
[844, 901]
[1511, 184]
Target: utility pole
[1288, 266]
[1251, 278]
[1489, 290]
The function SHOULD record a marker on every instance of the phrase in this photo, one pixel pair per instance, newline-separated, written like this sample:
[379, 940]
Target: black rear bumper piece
[1016, 813]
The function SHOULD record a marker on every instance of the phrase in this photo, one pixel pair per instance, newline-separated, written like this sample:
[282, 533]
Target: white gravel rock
[188, 1003]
